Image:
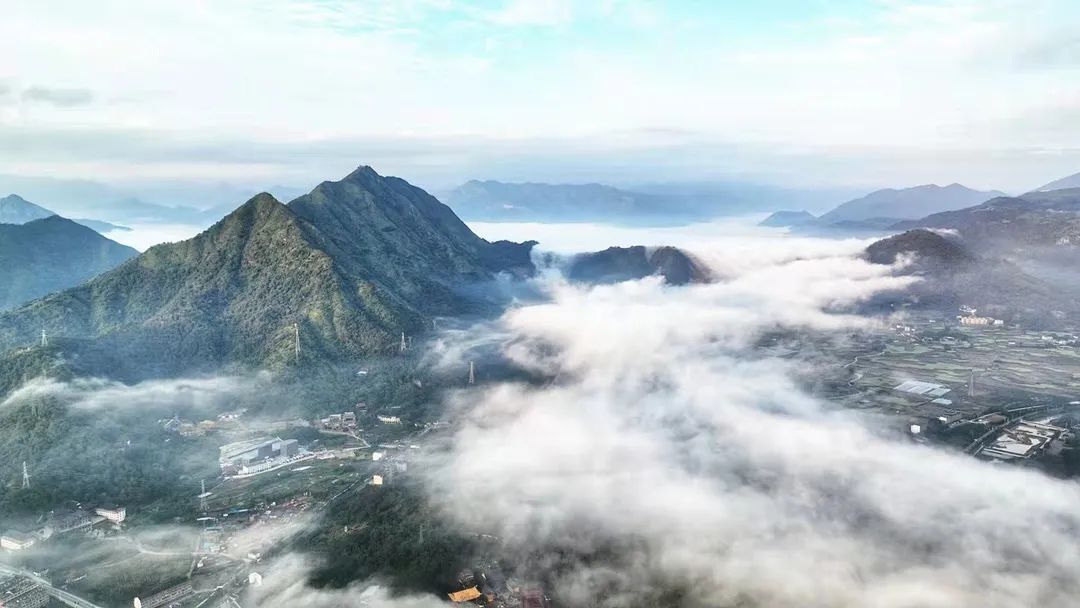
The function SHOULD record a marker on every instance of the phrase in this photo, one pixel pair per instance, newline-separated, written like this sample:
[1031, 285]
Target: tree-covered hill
[51, 253]
[350, 265]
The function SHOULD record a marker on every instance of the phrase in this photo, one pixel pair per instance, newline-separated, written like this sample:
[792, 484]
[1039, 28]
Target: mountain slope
[354, 263]
[45, 255]
[951, 275]
[14, 209]
[787, 219]
[1072, 181]
[616, 264]
[1035, 219]
[908, 203]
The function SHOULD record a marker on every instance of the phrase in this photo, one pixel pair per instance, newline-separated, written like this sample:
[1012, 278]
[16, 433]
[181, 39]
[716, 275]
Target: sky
[793, 92]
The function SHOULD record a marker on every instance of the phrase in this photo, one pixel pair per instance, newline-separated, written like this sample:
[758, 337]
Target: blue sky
[874, 92]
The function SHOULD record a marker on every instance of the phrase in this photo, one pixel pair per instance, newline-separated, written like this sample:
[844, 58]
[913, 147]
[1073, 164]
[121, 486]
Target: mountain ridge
[352, 264]
[44, 255]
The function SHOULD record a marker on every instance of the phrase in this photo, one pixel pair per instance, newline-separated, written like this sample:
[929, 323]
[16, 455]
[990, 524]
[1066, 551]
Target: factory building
[13, 540]
[1023, 440]
[246, 453]
[19, 592]
[168, 597]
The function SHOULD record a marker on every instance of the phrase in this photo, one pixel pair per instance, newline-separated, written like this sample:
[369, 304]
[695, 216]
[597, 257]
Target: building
[981, 321]
[13, 540]
[465, 595]
[168, 597]
[389, 419]
[922, 389]
[116, 515]
[1022, 440]
[247, 453]
[533, 598]
[20, 592]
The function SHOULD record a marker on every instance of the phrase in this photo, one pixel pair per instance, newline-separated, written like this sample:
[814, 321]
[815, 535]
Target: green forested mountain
[45, 255]
[352, 264]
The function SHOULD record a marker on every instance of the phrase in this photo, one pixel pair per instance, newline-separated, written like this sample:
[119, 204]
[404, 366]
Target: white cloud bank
[708, 471]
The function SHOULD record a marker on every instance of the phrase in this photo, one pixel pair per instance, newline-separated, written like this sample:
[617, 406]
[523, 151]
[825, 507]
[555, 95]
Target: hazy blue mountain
[1072, 181]
[100, 226]
[908, 203]
[49, 254]
[14, 209]
[643, 204]
[352, 264]
[787, 219]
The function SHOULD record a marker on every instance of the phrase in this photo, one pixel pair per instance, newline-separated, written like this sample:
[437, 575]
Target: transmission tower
[403, 344]
[25, 477]
[202, 496]
[971, 384]
[296, 340]
[472, 373]
[44, 338]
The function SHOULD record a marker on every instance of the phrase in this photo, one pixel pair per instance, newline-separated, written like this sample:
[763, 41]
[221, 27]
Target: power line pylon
[296, 340]
[472, 373]
[25, 477]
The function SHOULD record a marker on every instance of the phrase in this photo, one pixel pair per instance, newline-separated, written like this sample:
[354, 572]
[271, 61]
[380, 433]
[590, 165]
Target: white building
[13, 540]
[115, 515]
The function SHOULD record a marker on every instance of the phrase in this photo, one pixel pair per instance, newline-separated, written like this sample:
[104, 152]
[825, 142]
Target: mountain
[1072, 181]
[46, 255]
[616, 264]
[353, 264]
[100, 226]
[1032, 220]
[646, 204]
[908, 203]
[931, 251]
[787, 219]
[14, 209]
[499, 201]
[950, 275]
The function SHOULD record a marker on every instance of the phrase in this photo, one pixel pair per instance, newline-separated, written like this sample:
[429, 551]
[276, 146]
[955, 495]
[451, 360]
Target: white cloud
[870, 96]
[670, 455]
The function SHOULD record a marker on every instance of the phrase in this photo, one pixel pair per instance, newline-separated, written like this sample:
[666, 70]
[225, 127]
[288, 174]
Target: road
[68, 598]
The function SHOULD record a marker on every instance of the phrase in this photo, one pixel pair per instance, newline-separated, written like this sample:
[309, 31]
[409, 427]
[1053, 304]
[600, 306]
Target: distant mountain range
[352, 264]
[647, 204]
[1072, 181]
[14, 209]
[179, 203]
[908, 203]
[45, 255]
[881, 209]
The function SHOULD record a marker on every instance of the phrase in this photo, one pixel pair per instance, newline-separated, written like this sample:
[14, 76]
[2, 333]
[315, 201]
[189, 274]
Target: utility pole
[296, 340]
[472, 373]
[25, 477]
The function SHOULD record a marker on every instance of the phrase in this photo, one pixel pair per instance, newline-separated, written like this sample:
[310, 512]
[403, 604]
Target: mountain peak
[363, 173]
[14, 209]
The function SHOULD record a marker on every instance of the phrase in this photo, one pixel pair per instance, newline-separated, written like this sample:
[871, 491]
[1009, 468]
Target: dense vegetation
[353, 264]
[46, 255]
[96, 456]
[392, 533]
